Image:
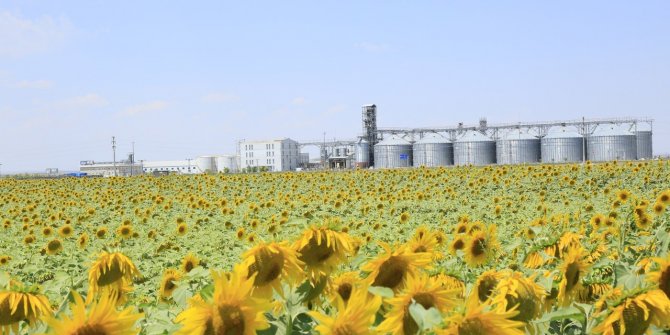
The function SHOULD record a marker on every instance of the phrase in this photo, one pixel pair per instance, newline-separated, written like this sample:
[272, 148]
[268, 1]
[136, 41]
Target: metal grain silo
[609, 142]
[362, 150]
[517, 147]
[643, 139]
[433, 150]
[474, 148]
[393, 152]
[562, 145]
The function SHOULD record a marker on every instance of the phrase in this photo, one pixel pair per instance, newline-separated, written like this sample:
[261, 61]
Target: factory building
[272, 155]
[186, 166]
[110, 169]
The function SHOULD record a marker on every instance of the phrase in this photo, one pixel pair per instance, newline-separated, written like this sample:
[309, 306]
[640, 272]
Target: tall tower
[370, 128]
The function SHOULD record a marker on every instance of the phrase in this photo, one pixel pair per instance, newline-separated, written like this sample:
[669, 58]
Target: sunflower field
[528, 249]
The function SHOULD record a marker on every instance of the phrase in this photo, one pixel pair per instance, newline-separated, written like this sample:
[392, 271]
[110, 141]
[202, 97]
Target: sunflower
[168, 283]
[83, 240]
[480, 247]
[4, 260]
[28, 239]
[101, 232]
[484, 287]
[19, 304]
[269, 264]
[516, 292]
[424, 290]
[182, 228]
[343, 285]
[424, 241]
[592, 292]
[461, 227]
[533, 260]
[451, 282]
[189, 262]
[47, 231]
[623, 195]
[102, 318]
[661, 277]
[355, 317]
[125, 231]
[664, 197]
[478, 320]
[404, 217]
[634, 314]
[457, 244]
[392, 268]
[54, 247]
[65, 231]
[572, 270]
[112, 273]
[231, 311]
[322, 250]
[658, 208]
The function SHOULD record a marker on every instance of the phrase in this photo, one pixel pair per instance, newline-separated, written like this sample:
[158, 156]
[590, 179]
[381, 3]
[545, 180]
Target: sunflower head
[480, 320]
[661, 277]
[169, 282]
[111, 269]
[21, 303]
[270, 263]
[54, 247]
[102, 318]
[573, 269]
[635, 312]
[355, 317]
[516, 292]
[322, 249]
[392, 269]
[189, 262]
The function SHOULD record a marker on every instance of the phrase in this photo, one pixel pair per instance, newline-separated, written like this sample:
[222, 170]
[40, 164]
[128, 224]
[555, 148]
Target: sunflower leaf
[381, 291]
[426, 319]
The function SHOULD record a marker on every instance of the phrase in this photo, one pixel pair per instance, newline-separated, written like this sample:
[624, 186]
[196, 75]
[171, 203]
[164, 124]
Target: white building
[275, 155]
[109, 169]
[186, 166]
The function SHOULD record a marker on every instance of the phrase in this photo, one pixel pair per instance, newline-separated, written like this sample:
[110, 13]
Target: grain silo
[362, 151]
[393, 152]
[474, 148]
[433, 150]
[611, 142]
[517, 147]
[562, 145]
[643, 138]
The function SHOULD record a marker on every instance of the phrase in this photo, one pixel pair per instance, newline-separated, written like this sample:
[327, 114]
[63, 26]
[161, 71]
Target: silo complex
[474, 148]
[611, 142]
[643, 138]
[393, 152]
[517, 147]
[433, 150]
[562, 145]
[362, 153]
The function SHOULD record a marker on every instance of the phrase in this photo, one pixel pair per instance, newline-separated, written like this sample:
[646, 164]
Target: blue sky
[191, 78]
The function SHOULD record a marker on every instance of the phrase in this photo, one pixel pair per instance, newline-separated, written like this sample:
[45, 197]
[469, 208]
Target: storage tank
[393, 152]
[474, 148]
[226, 162]
[609, 142]
[433, 150]
[362, 150]
[643, 139]
[517, 147]
[206, 164]
[562, 145]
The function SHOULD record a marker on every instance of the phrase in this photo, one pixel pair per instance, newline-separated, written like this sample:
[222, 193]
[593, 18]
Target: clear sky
[187, 78]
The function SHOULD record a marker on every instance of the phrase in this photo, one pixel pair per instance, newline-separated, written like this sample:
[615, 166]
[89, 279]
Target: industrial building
[521, 143]
[110, 169]
[271, 155]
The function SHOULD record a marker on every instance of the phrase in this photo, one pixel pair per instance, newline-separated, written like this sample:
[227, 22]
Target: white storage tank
[206, 164]
[611, 142]
[393, 152]
[517, 147]
[474, 148]
[562, 145]
[226, 162]
[433, 150]
[643, 136]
